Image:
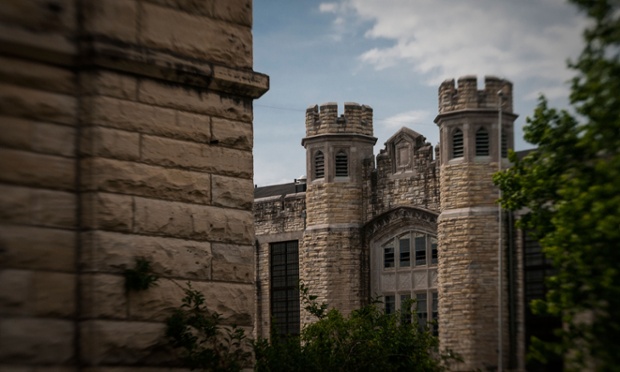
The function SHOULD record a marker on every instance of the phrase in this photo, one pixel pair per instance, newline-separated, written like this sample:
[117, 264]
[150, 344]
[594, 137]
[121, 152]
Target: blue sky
[392, 55]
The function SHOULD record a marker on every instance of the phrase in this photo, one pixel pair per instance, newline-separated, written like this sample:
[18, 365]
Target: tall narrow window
[342, 164]
[504, 145]
[319, 165]
[422, 309]
[405, 308]
[420, 249]
[388, 256]
[390, 304]
[433, 250]
[457, 144]
[405, 251]
[482, 142]
[284, 292]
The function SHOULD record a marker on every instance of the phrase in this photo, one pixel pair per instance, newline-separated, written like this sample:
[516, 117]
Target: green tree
[570, 188]
[366, 340]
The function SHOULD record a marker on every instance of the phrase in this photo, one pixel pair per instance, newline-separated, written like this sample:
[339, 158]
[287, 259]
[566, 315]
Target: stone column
[126, 132]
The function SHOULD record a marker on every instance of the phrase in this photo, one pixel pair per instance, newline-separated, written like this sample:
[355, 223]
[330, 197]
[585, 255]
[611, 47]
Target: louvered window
[482, 142]
[319, 165]
[342, 164]
[457, 144]
[504, 145]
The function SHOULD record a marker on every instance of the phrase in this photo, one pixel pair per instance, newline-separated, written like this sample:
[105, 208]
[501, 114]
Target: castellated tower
[331, 256]
[468, 228]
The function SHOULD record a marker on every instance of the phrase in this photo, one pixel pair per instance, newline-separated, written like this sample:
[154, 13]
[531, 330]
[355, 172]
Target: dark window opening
[405, 253]
[482, 142]
[457, 144]
[420, 249]
[388, 256]
[342, 164]
[433, 250]
[405, 308]
[504, 145]
[422, 309]
[284, 288]
[319, 165]
[390, 304]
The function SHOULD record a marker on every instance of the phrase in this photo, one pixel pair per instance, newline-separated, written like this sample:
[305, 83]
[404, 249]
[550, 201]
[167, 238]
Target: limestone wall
[389, 186]
[124, 134]
[276, 219]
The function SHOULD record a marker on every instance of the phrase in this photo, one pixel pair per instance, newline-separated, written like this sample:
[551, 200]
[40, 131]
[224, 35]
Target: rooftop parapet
[356, 119]
[466, 96]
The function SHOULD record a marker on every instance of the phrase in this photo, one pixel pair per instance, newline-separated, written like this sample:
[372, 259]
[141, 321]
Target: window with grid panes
[284, 288]
[405, 251]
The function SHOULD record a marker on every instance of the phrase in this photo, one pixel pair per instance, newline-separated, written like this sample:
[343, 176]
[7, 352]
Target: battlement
[356, 119]
[466, 96]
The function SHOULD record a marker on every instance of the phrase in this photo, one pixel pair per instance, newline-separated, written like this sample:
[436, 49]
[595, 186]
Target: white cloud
[328, 7]
[405, 119]
[529, 39]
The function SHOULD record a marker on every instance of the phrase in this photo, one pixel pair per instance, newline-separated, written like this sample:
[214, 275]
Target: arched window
[457, 144]
[482, 142]
[319, 165]
[342, 164]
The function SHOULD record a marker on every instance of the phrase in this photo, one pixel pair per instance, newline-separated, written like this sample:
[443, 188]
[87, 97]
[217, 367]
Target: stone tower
[331, 256]
[468, 228]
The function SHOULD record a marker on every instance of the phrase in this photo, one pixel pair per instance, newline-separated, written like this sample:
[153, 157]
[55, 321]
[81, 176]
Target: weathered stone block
[236, 11]
[114, 19]
[37, 104]
[53, 294]
[211, 159]
[164, 218]
[31, 169]
[36, 206]
[107, 211]
[111, 84]
[159, 304]
[183, 33]
[232, 192]
[232, 133]
[110, 143]
[36, 341]
[36, 75]
[195, 100]
[146, 180]
[126, 343]
[37, 248]
[35, 293]
[104, 296]
[36, 136]
[114, 252]
[235, 302]
[144, 118]
[233, 263]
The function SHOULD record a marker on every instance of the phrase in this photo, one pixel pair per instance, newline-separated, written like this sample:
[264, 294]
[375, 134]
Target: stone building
[414, 221]
[125, 132]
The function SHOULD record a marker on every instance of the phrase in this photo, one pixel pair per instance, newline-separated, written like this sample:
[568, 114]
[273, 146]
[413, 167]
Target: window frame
[315, 164]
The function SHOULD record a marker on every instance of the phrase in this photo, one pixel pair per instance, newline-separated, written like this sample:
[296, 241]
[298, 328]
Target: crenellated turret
[356, 119]
[466, 95]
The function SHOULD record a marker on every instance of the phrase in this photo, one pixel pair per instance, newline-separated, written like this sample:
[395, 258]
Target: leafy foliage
[366, 340]
[570, 186]
[205, 343]
[141, 276]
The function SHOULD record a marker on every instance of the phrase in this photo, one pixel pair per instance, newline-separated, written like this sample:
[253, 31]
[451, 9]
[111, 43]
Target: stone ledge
[149, 62]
